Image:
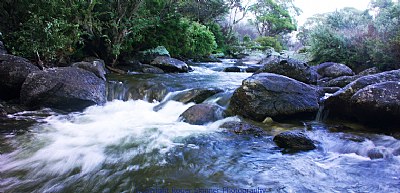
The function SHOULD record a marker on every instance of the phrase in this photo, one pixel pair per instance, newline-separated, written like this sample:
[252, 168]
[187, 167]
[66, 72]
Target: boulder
[372, 99]
[232, 69]
[339, 81]
[242, 128]
[168, 64]
[252, 69]
[197, 95]
[2, 48]
[294, 140]
[378, 103]
[202, 113]
[149, 55]
[67, 88]
[291, 68]
[333, 70]
[97, 67]
[271, 95]
[13, 72]
[369, 71]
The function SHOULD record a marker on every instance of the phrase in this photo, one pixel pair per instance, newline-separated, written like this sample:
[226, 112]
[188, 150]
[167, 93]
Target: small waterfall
[147, 91]
[322, 113]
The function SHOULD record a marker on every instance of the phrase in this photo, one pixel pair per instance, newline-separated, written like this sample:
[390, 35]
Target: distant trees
[355, 37]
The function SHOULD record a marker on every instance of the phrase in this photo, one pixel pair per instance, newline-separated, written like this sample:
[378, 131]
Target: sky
[312, 7]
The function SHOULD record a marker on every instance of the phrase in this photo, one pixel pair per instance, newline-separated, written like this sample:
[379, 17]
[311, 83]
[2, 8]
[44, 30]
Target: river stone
[97, 67]
[242, 128]
[294, 140]
[291, 68]
[252, 69]
[272, 95]
[13, 72]
[373, 99]
[333, 70]
[67, 88]
[369, 71]
[2, 48]
[232, 69]
[201, 114]
[378, 103]
[340, 81]
[168, 64]
[197, 95]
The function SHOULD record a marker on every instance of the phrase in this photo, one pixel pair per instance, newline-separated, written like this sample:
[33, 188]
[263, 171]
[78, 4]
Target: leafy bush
[267, 42]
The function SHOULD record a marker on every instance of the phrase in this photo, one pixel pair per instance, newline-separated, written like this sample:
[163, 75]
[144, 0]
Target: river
[127, 146]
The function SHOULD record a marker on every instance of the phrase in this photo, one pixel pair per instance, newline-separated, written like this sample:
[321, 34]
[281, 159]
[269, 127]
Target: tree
[272, 17]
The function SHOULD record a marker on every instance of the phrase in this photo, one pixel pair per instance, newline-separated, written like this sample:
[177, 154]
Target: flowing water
[127, 146]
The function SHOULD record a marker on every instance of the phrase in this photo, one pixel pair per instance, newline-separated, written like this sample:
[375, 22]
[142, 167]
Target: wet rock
[369, 71]
[13, 72]
[149, 91]
[10, 108]
[2, 48]
[168, 64]
[136, 66]
[202, 113]
[294, 140]
[232, 69]
[197, 95]
[97, 67]
[149, 55]
[333, 70]
[378, 103]
[339, 81]
[243, 128]
[377, 153]
[68, 89]
[252, 69]
[276, 96]
[372, 99]
[328, 89]
[291, 68]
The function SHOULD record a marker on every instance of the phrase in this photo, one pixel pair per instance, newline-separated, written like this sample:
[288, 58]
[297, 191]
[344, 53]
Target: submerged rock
[202, 113]
[242, 128]
[232, 69]
[13, 72]
[197, 95]
[276, 96]
[168, 64]
[68, 89]
[294, 140]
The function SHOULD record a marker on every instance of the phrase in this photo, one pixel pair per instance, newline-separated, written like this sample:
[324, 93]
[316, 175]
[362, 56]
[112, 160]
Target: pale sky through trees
[312, 7]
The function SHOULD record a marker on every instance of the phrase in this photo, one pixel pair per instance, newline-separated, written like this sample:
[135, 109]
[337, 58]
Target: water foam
[116, 132]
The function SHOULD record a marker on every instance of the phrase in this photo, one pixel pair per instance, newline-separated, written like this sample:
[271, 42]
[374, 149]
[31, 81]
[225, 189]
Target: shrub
[267, 42]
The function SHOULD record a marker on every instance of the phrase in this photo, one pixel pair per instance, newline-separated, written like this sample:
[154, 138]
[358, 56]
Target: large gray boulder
[333, 70]
[372, 99]
[271, 95]
[98, 67]
[13, 72]
[291, 68]
[202, 113]
[68, 89]
[168, 64]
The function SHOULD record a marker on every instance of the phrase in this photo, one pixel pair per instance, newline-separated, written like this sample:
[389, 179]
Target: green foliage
[201, 41]
[272, 17]
[266, 42]
[356, 38]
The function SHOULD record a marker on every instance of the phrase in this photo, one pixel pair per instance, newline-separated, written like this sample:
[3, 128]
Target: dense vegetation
[60, 31]
[360, 39]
